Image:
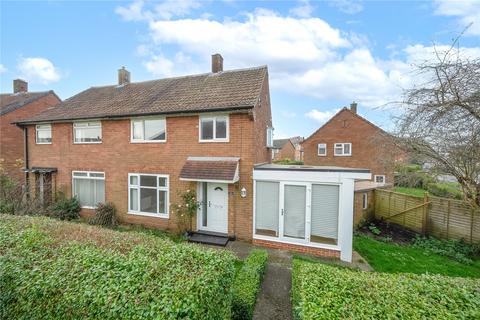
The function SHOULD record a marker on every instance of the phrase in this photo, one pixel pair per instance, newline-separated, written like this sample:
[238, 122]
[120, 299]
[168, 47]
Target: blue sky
[321, 54]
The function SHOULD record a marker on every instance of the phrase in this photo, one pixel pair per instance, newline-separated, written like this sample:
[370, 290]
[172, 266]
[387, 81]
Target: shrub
[287, 161]
[247, 284]
[186, 210]
[105, 215]
[412, 176]
[445, 190]
[325, 292]
[455, 249]
[65, 209]
[59, 270]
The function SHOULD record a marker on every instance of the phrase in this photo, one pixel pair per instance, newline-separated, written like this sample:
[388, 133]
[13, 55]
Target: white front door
[214, 207]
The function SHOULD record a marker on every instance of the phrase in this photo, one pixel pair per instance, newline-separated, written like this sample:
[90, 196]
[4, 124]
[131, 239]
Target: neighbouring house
[14, 107]
[283, 149]
[297, 143]
[141, 145]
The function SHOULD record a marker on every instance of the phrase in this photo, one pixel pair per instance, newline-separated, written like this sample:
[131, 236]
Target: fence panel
[440, 217]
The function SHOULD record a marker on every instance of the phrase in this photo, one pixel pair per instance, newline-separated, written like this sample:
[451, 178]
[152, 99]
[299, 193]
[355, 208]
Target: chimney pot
[20, 85]
[353, 107]
[217, 63]
[123, 76]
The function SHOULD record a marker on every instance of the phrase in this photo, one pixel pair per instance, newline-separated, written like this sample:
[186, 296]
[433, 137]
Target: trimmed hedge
[325, 292]
[247, 284]
[60, 270]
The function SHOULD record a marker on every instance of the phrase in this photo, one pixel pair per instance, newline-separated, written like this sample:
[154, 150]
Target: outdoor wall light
[243, 192]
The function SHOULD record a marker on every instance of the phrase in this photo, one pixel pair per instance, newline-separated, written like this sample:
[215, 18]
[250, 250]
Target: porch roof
[211, 169]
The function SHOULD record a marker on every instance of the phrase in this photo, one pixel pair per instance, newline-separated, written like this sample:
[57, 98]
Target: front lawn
[321, 291]
[62, 270]
[395, 258]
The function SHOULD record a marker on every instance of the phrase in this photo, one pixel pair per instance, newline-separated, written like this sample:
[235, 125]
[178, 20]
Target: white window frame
[378, 176]
[270, 137]
[324, 147]
[132, 120]
[90, 124]
[88, 177]
[48, 127]
[342, 145]
[158, 188]
[214, 118]
[364, 201]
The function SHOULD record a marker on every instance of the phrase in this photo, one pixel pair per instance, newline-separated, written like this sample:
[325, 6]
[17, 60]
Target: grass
[410, 191]
[288, 162]
[395, 258]
[439, 189]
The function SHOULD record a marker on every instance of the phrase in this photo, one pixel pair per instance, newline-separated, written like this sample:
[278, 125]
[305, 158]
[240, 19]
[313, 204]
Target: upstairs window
[214, 129]
[87, 132]
[43, 134]
[322, 149]
[149, 130]
[270, 137]
[343, 149]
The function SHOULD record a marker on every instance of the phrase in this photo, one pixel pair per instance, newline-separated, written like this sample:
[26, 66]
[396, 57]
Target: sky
[321, 55]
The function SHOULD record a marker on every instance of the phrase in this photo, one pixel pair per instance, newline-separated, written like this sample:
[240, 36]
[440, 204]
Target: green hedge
[325, 292]
[61, 270]
[247, 284]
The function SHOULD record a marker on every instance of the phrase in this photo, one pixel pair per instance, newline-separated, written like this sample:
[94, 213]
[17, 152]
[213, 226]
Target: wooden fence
[440, 217]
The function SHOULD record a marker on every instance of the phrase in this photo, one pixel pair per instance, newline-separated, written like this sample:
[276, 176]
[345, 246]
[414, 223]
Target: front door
[214, 207]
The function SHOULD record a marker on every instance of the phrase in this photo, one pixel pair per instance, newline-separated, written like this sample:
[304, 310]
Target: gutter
[27, 177]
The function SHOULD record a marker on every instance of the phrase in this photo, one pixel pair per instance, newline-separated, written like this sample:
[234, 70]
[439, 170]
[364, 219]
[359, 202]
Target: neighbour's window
[149, 130]
[89, 188]
[364, 201]
[148, 194]
[322, 149]
[379, 178]
[87, 132]
[343, 149]
[270, 137]
[214, 128]
[43, 134]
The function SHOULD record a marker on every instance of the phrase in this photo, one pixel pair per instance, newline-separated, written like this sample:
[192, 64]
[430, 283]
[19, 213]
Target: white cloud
[304, 10]
[2, 69]
[134, 12]
[38, 70]
[166, 9]
[467, 11]
[347, 6]
[321, 116]
[180, 64]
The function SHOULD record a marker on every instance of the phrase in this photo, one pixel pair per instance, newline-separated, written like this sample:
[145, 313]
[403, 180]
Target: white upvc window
[148, 194]
[87, 132]
[270, 137]
[149, 130]
[89, 188]
[379, 178]
[342, 149]
[322, 149]
[43, 134]
[214, 128]
[364, 201]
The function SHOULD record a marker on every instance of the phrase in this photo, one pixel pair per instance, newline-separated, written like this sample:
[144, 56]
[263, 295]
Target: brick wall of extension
[320, 252]
[370, 149]
[11, 136]
[117, 157]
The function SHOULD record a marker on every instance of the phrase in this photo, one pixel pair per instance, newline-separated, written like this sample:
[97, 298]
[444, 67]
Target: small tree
[441, 122]
[186, 210]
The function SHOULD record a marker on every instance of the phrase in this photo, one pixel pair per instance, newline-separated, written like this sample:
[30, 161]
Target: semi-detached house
[139, 145]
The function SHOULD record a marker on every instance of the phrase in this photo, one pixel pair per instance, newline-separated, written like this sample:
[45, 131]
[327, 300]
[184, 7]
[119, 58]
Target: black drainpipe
[27, 167]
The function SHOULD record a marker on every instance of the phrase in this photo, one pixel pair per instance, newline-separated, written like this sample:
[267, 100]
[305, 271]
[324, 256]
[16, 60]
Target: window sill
[89, 208]
[87, 142]
[147, 141]
[213, 141]
[342, 155]
[43, 143]
[147, 214]
[321, 155]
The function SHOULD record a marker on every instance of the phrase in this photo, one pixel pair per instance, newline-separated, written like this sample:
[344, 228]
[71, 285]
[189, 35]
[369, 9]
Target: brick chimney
[217, 63]
[20, 85]
[123, 76]
[353, 107]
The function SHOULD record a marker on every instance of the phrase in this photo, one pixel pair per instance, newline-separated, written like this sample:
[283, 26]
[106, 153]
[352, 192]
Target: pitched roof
[12, 101]
[345, 109]
[221, 91]
[279, 143]
[210, 169]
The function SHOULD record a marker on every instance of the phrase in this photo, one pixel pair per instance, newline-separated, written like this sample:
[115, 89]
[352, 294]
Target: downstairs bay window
[148, 194]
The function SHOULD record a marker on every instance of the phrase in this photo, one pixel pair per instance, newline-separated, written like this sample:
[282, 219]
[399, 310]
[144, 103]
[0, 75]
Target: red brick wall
[263, 120]
[117, 157]
[359, 214]
[370, 149]
[287, 152]
[11, 136]
[298, 248]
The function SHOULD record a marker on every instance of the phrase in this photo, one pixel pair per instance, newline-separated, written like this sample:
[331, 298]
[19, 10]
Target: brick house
[14, 107]
[283, 149]
[138, 145]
